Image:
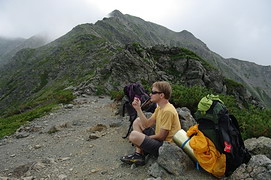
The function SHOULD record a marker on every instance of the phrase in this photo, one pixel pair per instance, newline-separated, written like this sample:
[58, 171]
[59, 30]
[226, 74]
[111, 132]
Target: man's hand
[136, 104]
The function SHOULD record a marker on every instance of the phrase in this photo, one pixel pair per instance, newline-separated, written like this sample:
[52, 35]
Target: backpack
[131, 91]
[223, 130]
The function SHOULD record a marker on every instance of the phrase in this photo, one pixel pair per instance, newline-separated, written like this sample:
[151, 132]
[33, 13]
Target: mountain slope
[255, 77]
[55, 65]
[9, 47]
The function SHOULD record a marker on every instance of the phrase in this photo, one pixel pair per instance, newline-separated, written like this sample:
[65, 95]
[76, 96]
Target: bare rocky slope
[77, 148]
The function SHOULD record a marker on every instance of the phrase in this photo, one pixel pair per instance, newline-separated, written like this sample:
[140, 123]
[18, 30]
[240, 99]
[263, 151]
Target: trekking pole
[147, 102]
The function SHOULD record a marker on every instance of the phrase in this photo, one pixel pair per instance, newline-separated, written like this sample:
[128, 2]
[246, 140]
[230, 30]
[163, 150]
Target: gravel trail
[84, 142]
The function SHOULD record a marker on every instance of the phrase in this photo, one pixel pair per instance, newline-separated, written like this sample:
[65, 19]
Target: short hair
[163, 87]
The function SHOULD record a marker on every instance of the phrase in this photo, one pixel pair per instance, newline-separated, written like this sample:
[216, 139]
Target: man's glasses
[156, 92]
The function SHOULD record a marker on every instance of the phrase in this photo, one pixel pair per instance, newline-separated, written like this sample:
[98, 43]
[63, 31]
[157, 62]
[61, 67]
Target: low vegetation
[34, 109]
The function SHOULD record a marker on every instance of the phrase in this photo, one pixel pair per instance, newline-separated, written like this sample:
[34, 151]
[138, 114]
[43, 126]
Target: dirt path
[76, 148]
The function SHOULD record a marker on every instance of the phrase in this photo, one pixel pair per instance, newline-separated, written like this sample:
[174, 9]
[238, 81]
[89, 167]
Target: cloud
[231, 28]
[29, 17]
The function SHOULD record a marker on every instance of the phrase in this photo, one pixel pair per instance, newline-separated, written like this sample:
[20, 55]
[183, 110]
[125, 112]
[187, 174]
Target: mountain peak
[187, 33]
[116, 13]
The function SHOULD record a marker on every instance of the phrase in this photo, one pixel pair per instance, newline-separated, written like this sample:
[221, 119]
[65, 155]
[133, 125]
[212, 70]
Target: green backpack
[223, 130]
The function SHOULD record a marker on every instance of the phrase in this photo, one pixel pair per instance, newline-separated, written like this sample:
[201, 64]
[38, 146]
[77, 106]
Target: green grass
[117, 95]
[188, 97]
[34, 109]
[10, 124]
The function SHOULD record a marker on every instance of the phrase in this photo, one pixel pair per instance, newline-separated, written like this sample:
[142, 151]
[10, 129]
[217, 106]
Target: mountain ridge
[10, 46]
[221, 63]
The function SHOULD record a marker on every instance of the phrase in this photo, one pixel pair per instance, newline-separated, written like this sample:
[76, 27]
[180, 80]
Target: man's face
[155, 95]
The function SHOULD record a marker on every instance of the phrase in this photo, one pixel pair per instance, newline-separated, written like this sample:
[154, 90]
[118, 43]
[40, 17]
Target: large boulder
[174, 160]
[174, 163]
[186, 118]
[258, 168]
[261, 145]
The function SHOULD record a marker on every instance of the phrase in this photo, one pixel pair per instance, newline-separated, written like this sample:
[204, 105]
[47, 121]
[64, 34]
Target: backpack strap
[124, 107]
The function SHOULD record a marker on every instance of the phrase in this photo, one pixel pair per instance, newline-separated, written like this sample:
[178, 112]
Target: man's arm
[146, 122]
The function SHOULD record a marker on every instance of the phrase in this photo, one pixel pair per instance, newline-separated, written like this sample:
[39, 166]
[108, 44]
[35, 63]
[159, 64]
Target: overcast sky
[232, 28]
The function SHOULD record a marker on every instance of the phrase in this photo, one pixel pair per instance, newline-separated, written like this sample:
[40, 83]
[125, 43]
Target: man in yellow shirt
[166, 121]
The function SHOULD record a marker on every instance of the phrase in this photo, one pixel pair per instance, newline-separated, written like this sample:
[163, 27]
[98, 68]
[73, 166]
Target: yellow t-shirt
[167, 118]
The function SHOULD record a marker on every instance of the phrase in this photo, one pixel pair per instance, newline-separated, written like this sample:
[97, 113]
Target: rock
[94, 170]
[64, 158]
[115, 124]
[186, 118]
[21, 170]
[49, 161]
[62, 177]
[258, 168]
[28, 178]
[133, 166]
[53, 129]
[19, 135]
[37, 146]
[38, 166]
[174, 160]
[154, 178]
[68, 106]
[261, 145]
[35, 129]
[65, 125]
[93, 136]
[156, 171]
[98, 127]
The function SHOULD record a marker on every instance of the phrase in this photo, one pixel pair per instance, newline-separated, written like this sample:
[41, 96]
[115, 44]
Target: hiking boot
[136, 158]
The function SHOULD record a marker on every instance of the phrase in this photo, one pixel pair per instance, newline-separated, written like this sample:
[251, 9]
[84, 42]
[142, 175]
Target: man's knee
[135, 137]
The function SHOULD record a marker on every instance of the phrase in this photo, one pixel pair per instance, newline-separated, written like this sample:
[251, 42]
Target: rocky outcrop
[186, 119]
[174, 163]
[258, 168]
[147, 65]
[261, 145]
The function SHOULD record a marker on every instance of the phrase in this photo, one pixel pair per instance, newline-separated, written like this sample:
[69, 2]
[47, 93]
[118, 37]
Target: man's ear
[162, 95]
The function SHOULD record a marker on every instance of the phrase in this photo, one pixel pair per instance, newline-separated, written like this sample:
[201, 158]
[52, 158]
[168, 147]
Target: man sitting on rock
[166, 121]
